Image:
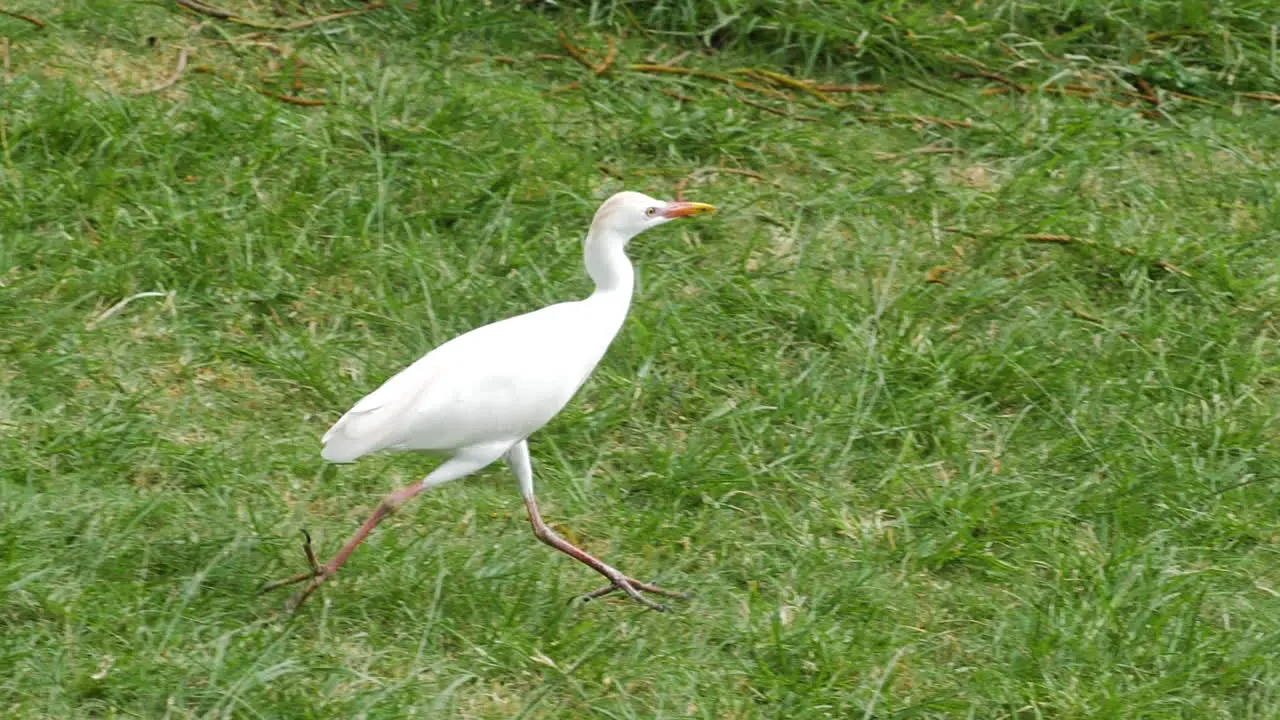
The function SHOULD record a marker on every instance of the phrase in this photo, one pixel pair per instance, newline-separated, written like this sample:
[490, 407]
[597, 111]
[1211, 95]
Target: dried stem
[609, 57]
[742, 84]
[34, 21]
[925, 119]
[788, 81]
[851, 88]
[293, 99]
[576, 53]
[326, 18]
[172, 80]
[221, 14]
[1267, 97]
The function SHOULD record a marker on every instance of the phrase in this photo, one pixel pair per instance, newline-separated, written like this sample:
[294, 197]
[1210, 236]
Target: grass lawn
[963, 405]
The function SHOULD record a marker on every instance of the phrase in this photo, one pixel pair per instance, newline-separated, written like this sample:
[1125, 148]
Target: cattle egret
[479, 397]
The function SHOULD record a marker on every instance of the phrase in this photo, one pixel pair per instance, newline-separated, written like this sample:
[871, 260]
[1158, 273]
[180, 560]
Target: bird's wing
[502, 380]
[372, 424]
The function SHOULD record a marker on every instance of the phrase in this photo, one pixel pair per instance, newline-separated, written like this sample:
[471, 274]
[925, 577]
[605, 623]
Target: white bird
[479, 397]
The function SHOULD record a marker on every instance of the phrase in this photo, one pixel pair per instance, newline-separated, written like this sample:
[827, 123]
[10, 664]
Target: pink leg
[465, 462]
[617, 581]
[518, 458]
[319, 573]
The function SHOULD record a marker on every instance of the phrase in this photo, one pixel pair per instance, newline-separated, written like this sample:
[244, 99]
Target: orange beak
[684, 209]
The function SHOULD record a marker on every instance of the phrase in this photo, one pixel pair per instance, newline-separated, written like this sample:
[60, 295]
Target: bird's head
[628, 214]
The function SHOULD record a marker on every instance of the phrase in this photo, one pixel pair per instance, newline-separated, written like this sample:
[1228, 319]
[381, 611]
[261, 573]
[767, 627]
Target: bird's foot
[316, 575]
[634, 587]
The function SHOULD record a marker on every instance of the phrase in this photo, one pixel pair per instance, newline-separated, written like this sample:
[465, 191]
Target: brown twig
[1149, 93]
[565, 88]
[210, 70]
[334, 16]
[935, 274]
[172, 80]
[740, 171]
[504, 59]
[777, 111]
[1049, 238]
[1164, 34]
[1196, 98]
[217, 12]
[766, 108]
[704, 172]
[742, 84]
[926, 119]
[293, 99]
[851, 88]
[1170, 267]
[1083, 315]
[575, 52]
[679, 58]
[221, 14]
[788, 81]
[251, 39]
[34, 21]
[932, 148]
[206, 9]
[1055, 239]
[678, 96]
[1266, 97]
[609, 57]
[549, 56]
[998, 78]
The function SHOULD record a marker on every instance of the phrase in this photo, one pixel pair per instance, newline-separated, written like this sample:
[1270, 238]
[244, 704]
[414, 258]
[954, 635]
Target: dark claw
[316, 574]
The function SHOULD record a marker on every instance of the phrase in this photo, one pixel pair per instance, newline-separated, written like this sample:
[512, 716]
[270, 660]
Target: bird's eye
[650, 212]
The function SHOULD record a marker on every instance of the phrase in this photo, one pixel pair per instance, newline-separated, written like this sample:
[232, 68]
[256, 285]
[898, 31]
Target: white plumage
[478, 397]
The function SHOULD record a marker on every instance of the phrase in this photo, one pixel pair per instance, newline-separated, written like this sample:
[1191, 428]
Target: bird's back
[499, 382]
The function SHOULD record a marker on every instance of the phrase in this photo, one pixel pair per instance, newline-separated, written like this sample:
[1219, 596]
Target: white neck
[608, 265]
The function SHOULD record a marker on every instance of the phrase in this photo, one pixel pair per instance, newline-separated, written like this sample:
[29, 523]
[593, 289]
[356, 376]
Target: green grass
[1043, 489]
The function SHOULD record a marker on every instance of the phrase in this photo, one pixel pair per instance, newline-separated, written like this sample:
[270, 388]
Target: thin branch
[217, 12]
[851, 88]
[742, 84]
[766, 108]
[183, 55]
[934, 275]
[221, 14]
[609, 57]
[111, 311]
[1083, 315]
[1050, 238]
[301, 24]
[923, 119]
[737, 171]
[565, 88]
[679, 58]
[1266, 97]
[293, 99]
[34, 21]
[788, 81]
[575, 52]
